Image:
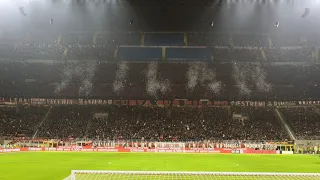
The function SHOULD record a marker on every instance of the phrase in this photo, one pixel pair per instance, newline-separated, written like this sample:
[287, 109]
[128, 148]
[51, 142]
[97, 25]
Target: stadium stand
[182, 124]
[23, 79]
[20, 122]
[35, 63]
[151, 123]
[197, 77]
[303, 120]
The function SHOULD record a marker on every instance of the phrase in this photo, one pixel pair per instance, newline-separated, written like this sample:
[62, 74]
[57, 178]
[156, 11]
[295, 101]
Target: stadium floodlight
[123, 175]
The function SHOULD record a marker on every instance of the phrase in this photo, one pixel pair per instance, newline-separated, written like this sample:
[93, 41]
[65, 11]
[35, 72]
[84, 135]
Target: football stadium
[159, 89]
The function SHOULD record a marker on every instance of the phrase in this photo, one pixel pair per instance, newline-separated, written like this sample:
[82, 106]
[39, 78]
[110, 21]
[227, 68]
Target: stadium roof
[164, 15]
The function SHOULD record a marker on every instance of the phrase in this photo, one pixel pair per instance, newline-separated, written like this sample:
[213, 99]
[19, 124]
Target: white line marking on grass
[67, 178]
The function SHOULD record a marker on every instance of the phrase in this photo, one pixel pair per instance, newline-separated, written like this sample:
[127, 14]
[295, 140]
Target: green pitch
[58, 165]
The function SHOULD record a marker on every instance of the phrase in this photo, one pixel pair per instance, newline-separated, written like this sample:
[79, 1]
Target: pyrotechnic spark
[240, 77]
[88, 69]
[215, 87]
[192, 76]
[201, 73]
[154, 83]
[209, 79]
[253, 73]
[66, 75]
[260, 79]
[84, 71]
[121, 74]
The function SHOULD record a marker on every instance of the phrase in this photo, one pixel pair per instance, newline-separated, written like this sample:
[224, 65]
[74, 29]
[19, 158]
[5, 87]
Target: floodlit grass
[58, 165]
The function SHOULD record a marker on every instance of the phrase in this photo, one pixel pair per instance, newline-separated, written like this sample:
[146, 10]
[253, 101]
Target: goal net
[132, 175]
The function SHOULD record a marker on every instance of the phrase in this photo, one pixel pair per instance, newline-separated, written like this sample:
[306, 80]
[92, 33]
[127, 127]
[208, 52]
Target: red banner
[252, 151]
[151, 103]
[161, 150]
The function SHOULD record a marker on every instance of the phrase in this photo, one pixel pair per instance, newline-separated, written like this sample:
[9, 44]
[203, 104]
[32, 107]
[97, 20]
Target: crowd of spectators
[65, 122]
[25, 79]
[297, 55]
[253, 40]
[237, 55]
[303, 120]
[72, 46]
[19, 121]
[257, 119]
[250, 40]
[103, 46]
[156, 123]
[206, 39]
[107, 53]
[288, 82]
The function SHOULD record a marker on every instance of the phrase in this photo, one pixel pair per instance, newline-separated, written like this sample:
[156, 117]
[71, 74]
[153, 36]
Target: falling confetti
[21, 10]
[306, 12]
